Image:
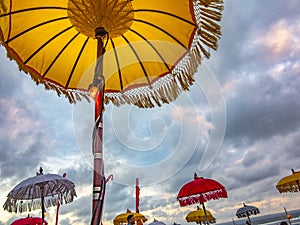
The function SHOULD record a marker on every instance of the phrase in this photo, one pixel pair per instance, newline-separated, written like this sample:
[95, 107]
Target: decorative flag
[137, 195]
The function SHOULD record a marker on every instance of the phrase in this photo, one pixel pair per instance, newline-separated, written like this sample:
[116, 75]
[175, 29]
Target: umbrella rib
[46, 43]
[51, 188]
[75, 64]
[86, 16]
[152, 46]
[118, 63]
[36, 26]
[31, 9]
[17, 193]
[138, 58]
[166, 13]
[162, 30]
[57, 56]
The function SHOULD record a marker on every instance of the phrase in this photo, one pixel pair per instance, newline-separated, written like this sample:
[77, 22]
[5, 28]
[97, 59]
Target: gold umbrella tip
[93, 91]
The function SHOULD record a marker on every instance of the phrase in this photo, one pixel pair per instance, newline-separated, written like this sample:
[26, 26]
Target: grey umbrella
[157, 222]
[40, 191]
[246, 211]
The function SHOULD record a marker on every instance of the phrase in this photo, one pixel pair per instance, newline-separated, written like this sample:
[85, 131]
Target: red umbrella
[200, 190]
[29, 221]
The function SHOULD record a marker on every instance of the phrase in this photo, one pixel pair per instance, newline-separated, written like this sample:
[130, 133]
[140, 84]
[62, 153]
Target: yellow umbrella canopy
[289, 183]
[152, 48]
[122, 218]
[198, 216]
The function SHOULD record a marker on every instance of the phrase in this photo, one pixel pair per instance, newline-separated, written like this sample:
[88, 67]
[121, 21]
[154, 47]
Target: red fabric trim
[194, 199]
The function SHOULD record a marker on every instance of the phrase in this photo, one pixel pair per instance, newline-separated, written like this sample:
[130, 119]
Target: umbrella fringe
[198, 198]
[291, 188]
[79, 94]
[247, 211]
[12, 205]
[209, 31]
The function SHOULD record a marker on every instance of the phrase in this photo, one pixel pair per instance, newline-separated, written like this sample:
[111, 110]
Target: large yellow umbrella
[289, 183]
[198, 216]
[122, 218]
[121, 51]
[56, 43]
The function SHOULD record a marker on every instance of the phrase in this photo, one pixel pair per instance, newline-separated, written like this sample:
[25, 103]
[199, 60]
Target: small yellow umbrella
[198, 216]
[122, 218]
[289, 183]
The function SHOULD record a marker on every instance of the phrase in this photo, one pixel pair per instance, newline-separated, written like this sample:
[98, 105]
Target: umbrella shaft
[43, 210]
[97, 141]
[207, 221]
[98, 175]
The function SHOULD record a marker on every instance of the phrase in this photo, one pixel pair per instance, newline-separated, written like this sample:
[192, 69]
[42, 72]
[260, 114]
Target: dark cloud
[242, 23]
[150, 203]
[65, 222]
[270, 111]
[159, 213]
[21, 145]
[80, 208]
[9, 74]
[81, 175]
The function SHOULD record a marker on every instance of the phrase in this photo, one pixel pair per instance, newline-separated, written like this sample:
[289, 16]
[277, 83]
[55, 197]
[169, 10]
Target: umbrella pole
[137, 195]
[43, 206]
[286, 213]
[233, 221]
[202, 203]
[249, 219]
[98, 184]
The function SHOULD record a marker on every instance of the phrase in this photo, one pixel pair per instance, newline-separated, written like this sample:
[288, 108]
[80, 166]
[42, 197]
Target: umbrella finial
[40, 171]
[195, 175]
[100, 32]
[293, 171]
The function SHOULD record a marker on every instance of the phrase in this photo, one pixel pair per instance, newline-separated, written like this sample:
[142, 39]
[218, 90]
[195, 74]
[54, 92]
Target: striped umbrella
[246, 211]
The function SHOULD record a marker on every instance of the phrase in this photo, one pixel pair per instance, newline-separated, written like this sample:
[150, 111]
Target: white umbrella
[156, 222]
[39, 191]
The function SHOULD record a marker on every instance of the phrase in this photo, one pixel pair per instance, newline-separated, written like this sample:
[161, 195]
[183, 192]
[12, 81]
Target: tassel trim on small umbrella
[199, 198]
[12, 205]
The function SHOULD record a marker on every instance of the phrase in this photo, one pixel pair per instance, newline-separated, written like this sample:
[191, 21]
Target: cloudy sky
[248, 92]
